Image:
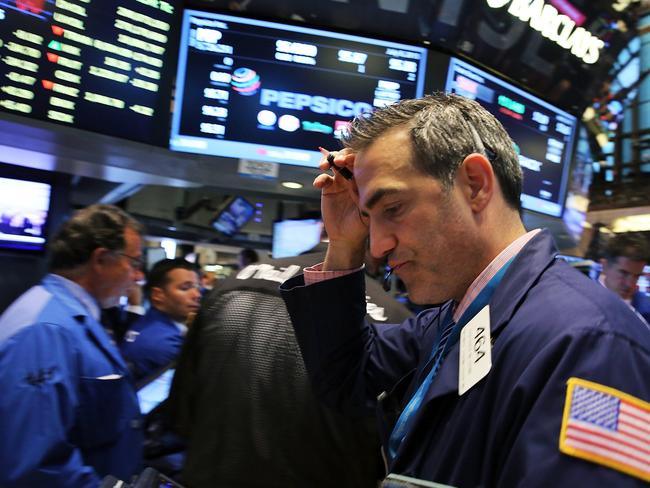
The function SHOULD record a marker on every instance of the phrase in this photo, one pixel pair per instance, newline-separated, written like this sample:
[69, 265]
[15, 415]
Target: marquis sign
[555, 26]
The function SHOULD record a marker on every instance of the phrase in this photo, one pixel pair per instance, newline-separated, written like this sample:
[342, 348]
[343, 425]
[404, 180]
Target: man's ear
[99, 258]
[157, 295]
[477, 179]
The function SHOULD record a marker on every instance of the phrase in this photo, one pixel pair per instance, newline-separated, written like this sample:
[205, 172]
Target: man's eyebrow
[378, 195]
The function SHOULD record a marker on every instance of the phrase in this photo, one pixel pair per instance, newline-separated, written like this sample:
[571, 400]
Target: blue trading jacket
[641, 304]
[60, 424]
[152, 343]
[548, 323]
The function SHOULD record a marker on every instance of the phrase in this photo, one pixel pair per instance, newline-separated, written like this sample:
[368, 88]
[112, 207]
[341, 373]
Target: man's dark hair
[249, 256]
[158, 277]
[628, 245]
[444, 129]
[89, 229]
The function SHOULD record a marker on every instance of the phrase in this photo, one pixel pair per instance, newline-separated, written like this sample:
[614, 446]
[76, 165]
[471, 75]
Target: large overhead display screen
[90, 64]
[543, 134]
[274, 92]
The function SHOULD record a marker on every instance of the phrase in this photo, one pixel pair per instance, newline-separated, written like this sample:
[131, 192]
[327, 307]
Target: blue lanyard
[408, 414]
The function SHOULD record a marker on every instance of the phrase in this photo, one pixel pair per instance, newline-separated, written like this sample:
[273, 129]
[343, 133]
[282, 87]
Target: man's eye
[392, 210]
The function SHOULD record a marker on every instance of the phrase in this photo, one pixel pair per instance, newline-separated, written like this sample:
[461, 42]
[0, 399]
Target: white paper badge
[475, 357]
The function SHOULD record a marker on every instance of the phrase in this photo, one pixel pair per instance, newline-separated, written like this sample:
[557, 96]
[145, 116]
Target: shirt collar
[80, 293]
[182, 328]
[492, 269]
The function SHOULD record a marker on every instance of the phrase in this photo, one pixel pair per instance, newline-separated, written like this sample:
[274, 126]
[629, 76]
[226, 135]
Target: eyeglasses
[134, 262]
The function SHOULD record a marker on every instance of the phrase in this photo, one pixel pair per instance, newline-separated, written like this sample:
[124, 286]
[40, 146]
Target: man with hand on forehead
[527, 373]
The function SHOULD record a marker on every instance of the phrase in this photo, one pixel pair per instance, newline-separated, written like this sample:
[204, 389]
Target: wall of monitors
[97, 65]
[544, 135]
[275, 92]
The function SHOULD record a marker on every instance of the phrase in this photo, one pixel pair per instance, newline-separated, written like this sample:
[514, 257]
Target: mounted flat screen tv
[543, 134]
[102, 66]
[24, 210]
[294, 237]
[268, 91]
[237, 212]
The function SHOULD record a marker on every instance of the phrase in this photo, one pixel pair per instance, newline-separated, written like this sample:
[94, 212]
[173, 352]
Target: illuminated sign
[320, 105]
[555, 26]
[98, 66]
[266, 91]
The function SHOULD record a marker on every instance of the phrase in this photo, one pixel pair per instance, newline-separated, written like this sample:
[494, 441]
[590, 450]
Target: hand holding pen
[339, 207]
[345, 172]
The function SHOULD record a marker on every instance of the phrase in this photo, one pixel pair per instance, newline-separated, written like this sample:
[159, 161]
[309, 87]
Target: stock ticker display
[275, 92]
[96, 65]
[543, 134]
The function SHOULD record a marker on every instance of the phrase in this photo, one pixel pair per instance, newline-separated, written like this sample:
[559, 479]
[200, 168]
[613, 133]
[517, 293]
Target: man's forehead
[630, 265]
[182, 274]
[132, 238]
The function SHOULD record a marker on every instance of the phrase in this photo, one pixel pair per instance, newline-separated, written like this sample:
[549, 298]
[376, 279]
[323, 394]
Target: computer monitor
[155, 391]
[101, 66]
[271, 91]
[237, 212]
[24, 212]
[543, 134]
[293, 237]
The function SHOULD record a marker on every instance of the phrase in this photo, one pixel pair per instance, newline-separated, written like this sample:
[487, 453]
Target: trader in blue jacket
[154, 341]
[69, 413]
[528, 373]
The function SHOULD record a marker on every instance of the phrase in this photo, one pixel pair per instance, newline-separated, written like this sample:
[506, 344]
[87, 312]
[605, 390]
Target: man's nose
[196, 294]
[382, 242]
[630, 281]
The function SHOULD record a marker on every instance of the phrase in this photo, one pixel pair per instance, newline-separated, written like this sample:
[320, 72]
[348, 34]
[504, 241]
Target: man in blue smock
[624, 258]
[155, 340]
[69, 413]
[527, 374]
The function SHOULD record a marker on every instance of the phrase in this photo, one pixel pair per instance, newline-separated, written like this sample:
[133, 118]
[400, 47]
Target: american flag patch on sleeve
[606, 426]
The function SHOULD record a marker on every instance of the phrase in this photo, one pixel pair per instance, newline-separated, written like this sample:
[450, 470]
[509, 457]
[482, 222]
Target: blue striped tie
[446, 333]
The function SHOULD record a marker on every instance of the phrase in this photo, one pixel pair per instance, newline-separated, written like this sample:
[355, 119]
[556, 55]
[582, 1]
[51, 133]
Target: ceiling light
[294, 185]
[632, 223]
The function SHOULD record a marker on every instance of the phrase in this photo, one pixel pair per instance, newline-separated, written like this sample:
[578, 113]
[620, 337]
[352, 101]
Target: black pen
[345, 172]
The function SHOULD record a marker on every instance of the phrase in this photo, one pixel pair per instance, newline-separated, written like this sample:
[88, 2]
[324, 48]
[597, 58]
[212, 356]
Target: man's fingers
[343, 158]
[323, 181]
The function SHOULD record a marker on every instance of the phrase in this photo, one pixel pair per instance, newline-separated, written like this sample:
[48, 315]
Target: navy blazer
[548, 323]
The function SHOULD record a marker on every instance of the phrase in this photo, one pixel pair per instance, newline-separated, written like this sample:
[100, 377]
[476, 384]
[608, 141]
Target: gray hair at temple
[444, 129]
[88, 229]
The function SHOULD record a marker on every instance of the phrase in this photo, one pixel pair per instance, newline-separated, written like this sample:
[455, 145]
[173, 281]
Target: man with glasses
[69, 413]
[527, 373]
[155, 340]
